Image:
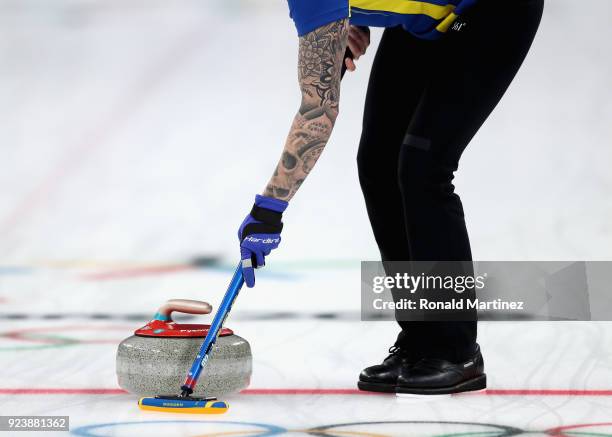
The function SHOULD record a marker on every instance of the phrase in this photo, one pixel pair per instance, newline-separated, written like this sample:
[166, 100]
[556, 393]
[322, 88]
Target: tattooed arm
[319, 64]
[320, 59]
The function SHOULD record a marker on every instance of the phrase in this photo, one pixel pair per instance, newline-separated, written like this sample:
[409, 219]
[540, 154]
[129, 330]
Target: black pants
[425, 102]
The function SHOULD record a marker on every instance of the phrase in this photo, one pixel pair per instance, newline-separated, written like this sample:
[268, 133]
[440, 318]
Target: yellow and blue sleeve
[427, 19]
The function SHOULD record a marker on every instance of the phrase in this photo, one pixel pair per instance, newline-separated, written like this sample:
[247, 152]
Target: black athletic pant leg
[387, 114]
[409, 152]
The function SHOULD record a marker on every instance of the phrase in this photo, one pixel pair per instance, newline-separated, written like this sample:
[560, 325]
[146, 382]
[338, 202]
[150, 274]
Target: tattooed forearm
[319, 65]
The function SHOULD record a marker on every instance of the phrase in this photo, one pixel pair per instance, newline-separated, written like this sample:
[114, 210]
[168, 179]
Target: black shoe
[434, 376]
[383, 377]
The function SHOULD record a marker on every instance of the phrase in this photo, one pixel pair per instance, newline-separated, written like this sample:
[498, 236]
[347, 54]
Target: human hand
[358, 42]
[259, 234]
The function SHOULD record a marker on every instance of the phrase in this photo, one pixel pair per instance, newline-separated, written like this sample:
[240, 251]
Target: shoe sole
[376, 386]
[478, 383]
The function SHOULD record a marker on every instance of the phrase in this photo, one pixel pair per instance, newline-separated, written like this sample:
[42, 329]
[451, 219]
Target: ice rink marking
[313, 391]
[331, 430]
[268, 430]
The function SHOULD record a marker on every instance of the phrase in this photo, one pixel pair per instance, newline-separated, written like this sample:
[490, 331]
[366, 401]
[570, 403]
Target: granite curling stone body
[155, 360]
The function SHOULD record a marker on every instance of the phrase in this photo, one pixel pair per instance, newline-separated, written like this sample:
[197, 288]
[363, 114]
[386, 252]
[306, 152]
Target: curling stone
[156, 359]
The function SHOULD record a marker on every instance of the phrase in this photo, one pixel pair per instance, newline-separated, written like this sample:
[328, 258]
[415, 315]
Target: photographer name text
[449, 305]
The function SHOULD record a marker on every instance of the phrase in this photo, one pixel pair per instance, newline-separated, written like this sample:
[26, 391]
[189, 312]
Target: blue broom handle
[215, 328]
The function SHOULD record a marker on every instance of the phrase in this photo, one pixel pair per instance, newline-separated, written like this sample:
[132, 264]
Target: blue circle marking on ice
[88, 430]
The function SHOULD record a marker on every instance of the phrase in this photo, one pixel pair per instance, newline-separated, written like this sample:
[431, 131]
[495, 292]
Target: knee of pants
[420, 177]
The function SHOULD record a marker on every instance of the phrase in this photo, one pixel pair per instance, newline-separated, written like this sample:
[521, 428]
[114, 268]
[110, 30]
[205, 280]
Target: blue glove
[259, 234]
